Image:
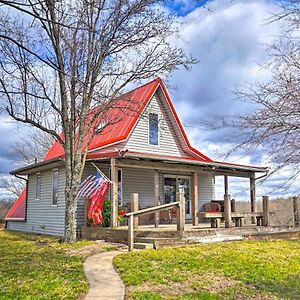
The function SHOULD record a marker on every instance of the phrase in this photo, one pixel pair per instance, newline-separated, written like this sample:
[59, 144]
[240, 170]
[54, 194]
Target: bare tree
[274, 124]
[32, 148]
[60, 60]
[28, 149]
[4, 208]
[12, 185]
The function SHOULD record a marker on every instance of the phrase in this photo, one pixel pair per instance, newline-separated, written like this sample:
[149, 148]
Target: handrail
[180, 213]
[151, 210]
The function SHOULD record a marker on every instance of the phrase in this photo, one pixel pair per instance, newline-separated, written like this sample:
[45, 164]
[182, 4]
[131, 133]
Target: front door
[173, 184]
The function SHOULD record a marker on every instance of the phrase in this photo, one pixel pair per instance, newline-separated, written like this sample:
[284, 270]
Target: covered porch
[172, 176]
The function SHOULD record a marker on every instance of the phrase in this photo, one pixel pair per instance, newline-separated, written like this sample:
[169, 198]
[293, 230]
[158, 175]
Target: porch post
[226, 188]
[180, 211]
[195, 205]
[253, 198]
[266, 215]
[114, 194]
[156, 197]
[296, 204]
[227, 210]
[135, 208]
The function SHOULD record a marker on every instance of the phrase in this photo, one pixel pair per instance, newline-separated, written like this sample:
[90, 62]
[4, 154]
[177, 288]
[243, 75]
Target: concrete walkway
[104, 281]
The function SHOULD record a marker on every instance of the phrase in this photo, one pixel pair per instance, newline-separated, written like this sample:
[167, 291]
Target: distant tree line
[5, 206]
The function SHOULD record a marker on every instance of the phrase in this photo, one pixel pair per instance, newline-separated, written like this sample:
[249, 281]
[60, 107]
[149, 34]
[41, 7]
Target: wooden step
[146, 240]
[168, 242]
[157, 234]
[161, 242]
[141, 246]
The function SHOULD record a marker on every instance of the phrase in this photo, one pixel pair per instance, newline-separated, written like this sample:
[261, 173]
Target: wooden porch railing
[133, 216]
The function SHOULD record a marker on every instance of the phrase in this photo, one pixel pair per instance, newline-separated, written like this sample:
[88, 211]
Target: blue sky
[229, 39]
[183, 7]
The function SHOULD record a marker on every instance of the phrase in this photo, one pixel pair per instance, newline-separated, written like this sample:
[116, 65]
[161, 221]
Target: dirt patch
[95, 248]
[211, 283]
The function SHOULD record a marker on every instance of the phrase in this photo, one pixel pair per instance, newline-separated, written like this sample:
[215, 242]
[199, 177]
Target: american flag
[95, 188]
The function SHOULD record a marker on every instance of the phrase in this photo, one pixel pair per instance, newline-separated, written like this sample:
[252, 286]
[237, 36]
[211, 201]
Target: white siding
[42, 217]
[139, 181]
[206, 189]
[168, 135]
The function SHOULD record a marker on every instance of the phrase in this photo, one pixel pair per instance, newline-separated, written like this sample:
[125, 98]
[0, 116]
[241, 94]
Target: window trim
[39, 174]
[52, 194]
[158, 138]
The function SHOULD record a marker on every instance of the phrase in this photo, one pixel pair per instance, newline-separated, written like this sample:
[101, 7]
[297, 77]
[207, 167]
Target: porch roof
[38, 167]
[155, 161]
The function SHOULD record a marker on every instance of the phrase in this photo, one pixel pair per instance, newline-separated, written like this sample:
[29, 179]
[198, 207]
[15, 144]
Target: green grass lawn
[237, 270]
[35, 267]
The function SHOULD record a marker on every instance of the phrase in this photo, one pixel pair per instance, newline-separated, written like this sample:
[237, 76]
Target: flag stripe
[95, 188]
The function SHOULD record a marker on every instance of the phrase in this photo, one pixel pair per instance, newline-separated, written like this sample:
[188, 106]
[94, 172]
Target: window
[120, 189]
[54, 187]
[38, 186]
[153, 129]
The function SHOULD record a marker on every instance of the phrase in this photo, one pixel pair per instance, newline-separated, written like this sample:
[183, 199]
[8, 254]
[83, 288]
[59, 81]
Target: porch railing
[133, 216]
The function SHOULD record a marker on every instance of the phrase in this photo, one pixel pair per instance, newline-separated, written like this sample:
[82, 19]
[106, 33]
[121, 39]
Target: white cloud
[230, 43]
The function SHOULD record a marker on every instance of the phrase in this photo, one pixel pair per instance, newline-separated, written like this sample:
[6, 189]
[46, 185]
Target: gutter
[263, 176]
[36, 165]
[201, 163]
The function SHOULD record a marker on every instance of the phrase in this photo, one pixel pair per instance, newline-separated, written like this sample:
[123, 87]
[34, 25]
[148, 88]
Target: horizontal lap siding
[206, 189]
[139, 181]
[168, 138]
[42, 217]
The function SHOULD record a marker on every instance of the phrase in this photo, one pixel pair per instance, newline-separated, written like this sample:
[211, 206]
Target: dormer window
[153, 129]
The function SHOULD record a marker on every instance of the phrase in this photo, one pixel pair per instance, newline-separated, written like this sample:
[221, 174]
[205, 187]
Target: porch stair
[142, 245]
[159, 242]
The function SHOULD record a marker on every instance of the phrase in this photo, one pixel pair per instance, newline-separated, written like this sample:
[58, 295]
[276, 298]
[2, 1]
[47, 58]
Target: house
[147, 152]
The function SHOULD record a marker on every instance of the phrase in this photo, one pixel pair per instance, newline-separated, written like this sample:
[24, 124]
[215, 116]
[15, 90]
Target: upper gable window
[153, 129]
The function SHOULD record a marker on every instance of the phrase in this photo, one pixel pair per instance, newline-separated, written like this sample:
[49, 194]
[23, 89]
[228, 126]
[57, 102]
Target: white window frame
[38, 175]
[158, 129]
[52, 204]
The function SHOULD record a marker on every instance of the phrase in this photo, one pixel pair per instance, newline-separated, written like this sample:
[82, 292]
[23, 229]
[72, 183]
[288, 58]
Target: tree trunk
[73, 177]
[70, 217]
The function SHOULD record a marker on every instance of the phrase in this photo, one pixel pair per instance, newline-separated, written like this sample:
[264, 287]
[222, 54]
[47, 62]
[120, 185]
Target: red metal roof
[18, 210]
[130, 107]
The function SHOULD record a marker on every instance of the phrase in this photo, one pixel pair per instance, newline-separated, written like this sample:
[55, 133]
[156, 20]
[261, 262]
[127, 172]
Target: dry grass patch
[208, 284]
